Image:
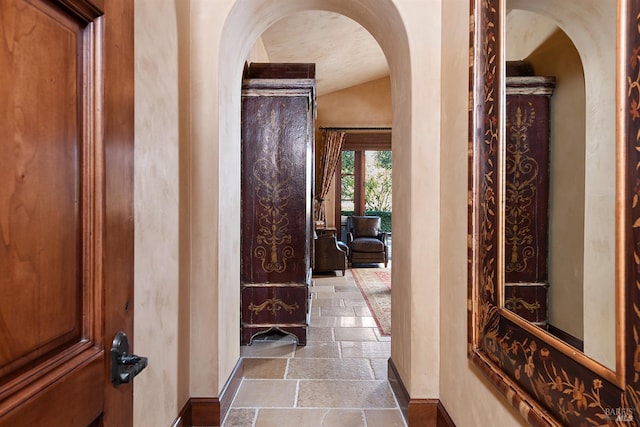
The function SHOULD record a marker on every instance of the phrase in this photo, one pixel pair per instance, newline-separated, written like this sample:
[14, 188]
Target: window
[365, 182]
[352, 183]
[363, 176]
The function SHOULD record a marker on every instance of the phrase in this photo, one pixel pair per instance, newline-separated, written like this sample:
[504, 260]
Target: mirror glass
[559, 170]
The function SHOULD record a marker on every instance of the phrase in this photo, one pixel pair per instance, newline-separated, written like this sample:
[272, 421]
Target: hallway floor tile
[339, 379]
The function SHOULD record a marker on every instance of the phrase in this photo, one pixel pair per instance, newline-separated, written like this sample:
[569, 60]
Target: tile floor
[339, 379]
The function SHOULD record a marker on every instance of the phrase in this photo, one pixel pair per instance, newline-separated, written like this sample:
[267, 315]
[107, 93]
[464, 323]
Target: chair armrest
[383, 237]
[349, 238]
[328, 255]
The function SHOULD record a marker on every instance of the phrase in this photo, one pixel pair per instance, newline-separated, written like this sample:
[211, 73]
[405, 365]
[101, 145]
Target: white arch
[215, 188]
[591, 26]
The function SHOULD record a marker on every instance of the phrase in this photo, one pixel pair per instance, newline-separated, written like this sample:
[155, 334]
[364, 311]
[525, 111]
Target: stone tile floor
[339, 379]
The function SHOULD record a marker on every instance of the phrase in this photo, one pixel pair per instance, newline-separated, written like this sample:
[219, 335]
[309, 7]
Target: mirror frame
[546, 380]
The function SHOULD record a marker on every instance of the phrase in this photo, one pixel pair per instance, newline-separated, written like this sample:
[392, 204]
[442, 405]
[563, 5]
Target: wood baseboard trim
[199, 411]
[398, 388]
[230, 389]
[205, 411]
[444, 420]
[184, 417]
[417, 412]
[210, 411]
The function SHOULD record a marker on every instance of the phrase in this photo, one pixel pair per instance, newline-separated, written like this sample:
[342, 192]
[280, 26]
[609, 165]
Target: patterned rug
[375, 285]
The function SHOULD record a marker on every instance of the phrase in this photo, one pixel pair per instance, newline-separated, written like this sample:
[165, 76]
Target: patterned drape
[331, 148]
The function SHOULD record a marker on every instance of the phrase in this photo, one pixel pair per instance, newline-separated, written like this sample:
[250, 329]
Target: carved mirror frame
[549, 382]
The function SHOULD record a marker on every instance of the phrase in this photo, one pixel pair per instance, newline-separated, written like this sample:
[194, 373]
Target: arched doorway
[595, 156]
[215, 139]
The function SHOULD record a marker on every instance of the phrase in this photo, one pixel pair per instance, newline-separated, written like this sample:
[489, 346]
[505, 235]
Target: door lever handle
[124, 366]
[127, 359]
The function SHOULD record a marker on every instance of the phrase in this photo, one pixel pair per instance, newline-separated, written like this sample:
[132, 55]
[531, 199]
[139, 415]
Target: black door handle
[124, 366]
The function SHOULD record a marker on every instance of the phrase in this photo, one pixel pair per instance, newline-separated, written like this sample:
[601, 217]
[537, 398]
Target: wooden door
[66, 210]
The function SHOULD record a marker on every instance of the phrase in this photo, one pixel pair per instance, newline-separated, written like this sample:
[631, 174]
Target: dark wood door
[66, 210]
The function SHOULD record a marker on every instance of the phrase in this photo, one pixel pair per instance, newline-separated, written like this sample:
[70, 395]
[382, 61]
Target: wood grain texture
[53, 405]
[211, 411]
[66, 209]
[118, 220]
[546, 380]
[278, 105]
[40, 229]
[417, 412]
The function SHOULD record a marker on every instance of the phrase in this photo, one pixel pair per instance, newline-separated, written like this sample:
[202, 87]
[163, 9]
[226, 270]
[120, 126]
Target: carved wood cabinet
[278, 121]
[527, 195]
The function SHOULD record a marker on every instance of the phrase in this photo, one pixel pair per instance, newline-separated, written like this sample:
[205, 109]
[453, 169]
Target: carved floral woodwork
[276, 182]
[527, 178]
[549, 382]
[273, 305]
[274, 235]
[523, 172]
[527, 154]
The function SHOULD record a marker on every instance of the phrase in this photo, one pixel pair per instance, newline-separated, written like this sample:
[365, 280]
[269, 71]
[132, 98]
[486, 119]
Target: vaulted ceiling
[344, 52]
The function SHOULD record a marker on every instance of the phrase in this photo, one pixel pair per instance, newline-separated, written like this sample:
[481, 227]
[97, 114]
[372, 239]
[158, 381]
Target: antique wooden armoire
[527, 191]
[278, 123]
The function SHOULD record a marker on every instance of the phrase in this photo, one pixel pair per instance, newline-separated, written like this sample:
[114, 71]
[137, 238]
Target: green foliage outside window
[377, 185]
[347, 187]
[348, 162]
[383, 159]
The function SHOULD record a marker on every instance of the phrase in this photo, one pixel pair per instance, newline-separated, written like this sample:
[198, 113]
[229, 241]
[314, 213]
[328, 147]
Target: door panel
[51, 405]
[40, 280]
[53, 201]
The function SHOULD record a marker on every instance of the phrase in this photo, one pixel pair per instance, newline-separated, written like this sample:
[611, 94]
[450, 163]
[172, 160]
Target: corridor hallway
[339, 379]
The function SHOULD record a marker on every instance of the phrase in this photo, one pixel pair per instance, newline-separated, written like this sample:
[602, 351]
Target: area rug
[375, 285]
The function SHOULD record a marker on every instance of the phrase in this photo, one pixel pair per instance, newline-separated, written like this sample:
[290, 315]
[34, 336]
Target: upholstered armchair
[366, 241]
[330, 255]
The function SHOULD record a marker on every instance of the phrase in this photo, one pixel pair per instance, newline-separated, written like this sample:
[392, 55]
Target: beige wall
[558, 57]
[161, 207]
[597, 51]
[258, 53]
[189, 58]
[368, 104]
[466, 394]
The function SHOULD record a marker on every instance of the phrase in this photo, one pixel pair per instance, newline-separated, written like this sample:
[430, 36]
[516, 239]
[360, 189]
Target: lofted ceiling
[344, 52]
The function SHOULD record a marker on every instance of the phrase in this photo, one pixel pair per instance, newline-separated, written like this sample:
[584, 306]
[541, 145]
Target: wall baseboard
[210, 411]
[184, 417]
[417, 412]
[444, 420]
